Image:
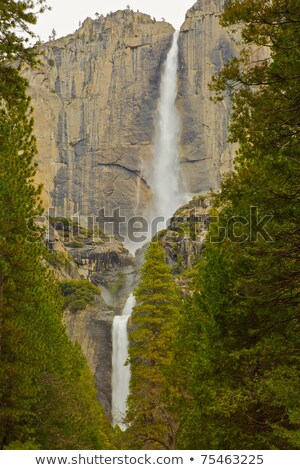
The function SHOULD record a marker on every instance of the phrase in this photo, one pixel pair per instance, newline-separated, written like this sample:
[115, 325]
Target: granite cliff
[95, 96]
[204, 48]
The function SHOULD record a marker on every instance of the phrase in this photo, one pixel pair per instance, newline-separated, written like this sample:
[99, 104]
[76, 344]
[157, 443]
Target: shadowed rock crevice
[129, 170]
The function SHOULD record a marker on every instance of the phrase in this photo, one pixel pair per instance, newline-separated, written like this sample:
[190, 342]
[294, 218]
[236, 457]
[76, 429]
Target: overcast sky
[66, 14]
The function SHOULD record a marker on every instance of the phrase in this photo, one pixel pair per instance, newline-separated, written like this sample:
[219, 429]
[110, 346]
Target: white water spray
[120, 372]
[165, 172]
[167, 197]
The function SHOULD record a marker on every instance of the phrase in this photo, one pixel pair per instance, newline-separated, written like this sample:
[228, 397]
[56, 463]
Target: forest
[217, 367]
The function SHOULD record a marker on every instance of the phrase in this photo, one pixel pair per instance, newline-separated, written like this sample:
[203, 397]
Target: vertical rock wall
[204, 48]
[91, 328]
[94, 97]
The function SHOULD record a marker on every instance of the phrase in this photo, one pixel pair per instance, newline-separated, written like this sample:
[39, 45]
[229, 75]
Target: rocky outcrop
[184, 238]
[204, 48]
[94, 97]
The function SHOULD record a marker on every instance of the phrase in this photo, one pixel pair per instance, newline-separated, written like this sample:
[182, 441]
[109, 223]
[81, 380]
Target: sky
[66, 14]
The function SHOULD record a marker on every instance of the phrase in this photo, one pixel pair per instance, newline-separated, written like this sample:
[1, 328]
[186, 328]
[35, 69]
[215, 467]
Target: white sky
[66, 14]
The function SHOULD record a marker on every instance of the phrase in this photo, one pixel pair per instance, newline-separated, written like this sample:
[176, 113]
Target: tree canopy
[246, 367]
[153, 332]
[47, 393]
[16, 20]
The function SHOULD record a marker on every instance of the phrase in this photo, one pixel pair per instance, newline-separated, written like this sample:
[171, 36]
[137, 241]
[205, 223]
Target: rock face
[94, 98]
[91, 328]
[185, 236]
[204, 48]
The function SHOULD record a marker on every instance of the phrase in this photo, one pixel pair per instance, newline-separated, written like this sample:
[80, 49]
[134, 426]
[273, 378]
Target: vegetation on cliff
[47, 394]
[78, 294]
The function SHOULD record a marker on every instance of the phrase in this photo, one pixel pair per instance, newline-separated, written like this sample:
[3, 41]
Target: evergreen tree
[246, 368]
[47, 395]
[17, 17]
[154, 329]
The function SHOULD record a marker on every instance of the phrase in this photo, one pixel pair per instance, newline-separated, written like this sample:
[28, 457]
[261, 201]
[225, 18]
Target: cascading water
[167, 197]
[164, 180]
[120, 372]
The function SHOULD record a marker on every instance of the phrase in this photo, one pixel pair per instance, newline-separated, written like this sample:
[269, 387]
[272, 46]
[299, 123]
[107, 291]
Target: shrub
[56, 259]
[117, 286]
[75, 244]
[78, 294]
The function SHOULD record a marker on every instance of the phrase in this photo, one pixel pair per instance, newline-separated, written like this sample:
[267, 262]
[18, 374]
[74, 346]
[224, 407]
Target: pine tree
[47, 395]
[41, 371]
[245, 370]
[153, 331]
[17, 17]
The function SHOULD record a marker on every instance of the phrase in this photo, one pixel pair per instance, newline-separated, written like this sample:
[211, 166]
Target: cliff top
[202, 8]
[121, 23]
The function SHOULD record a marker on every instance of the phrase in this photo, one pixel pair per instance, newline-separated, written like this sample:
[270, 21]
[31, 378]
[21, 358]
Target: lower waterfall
[120, 372]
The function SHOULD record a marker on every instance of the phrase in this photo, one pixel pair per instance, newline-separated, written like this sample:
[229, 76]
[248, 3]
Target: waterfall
[165, 181]
[120, 372]
[167, 197]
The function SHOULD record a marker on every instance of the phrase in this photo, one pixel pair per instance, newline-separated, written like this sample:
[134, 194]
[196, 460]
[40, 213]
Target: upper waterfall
[165, 181]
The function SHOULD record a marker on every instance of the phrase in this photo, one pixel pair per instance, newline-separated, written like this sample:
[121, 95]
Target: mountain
[95, 95]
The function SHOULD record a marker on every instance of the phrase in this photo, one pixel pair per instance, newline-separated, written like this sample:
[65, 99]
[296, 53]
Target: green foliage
[57, 259]
[17, 445]
[47, 395]
[78, 294]
[243, 373]
[17, 17]
[75, 419]
[75, 244]
[154, 329]
[115, 288]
